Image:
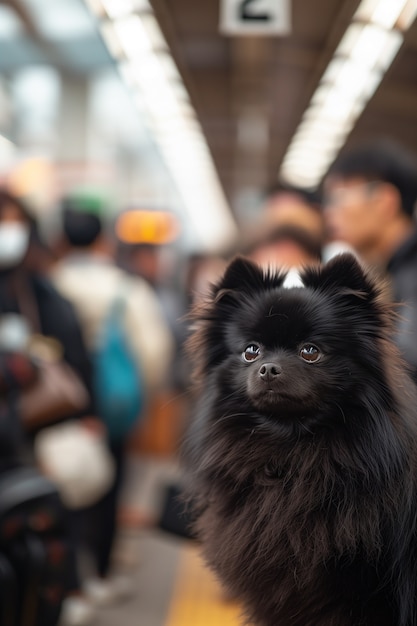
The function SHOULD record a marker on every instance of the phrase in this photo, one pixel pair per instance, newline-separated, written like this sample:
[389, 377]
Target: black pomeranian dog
[302, 455]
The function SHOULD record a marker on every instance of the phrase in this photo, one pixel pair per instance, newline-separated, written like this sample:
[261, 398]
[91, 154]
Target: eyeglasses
[343, 195]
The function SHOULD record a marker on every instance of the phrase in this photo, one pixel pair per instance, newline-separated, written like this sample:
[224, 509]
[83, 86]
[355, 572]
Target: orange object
[152, 227]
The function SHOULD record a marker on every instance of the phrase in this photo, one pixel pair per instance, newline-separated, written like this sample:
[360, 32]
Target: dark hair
[6, 197]
[36, 239]
[287, 232]
[309, 196]
[80, 228]
[382, 160]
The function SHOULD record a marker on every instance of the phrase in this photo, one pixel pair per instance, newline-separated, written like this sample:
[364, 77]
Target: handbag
[76, 458]
[57, 391]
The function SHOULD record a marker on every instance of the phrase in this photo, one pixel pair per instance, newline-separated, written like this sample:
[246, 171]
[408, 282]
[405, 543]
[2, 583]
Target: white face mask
[14, 242]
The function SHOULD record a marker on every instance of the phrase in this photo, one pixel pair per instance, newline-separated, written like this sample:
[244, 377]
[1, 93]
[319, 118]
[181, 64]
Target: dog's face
[282, 352]
[301, 350]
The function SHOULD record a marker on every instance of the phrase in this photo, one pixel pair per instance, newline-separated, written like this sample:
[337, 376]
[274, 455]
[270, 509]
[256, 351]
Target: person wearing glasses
[369, 202]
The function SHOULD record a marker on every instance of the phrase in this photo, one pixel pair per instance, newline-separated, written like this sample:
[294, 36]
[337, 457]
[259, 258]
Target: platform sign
[255, 17]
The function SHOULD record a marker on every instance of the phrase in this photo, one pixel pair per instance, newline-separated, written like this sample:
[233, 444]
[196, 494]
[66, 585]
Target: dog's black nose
[269, 371]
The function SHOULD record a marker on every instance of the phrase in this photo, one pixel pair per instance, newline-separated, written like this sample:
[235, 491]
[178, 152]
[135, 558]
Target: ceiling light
[371, 44]
[148, 69]
[297, 177]
[314, 114]
[385, 13]
[111, 39]
[132, 36]
[366, 50]
[408, 15]
[311, 146]
[303, 162]
[168, 65]
[153, 32]
[119, 8]
[316, 130]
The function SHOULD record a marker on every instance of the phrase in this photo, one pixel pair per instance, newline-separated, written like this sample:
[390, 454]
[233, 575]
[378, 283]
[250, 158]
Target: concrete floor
[153, 579]
[149, 556]
[171, 586]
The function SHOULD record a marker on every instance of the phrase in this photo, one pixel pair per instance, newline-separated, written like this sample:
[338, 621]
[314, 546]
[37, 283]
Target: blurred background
[162, 106]
[178, 118]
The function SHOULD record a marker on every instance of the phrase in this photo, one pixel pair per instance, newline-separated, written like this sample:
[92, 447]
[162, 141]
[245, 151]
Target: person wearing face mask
[14, 242]
[30, 304]
[25, 289]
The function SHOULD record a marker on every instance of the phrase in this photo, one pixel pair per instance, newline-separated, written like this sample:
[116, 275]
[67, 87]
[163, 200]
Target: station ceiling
[238, 82]
[274, 78]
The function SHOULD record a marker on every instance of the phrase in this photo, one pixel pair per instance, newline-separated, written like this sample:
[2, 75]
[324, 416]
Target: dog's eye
[251, 353]
[310, 353]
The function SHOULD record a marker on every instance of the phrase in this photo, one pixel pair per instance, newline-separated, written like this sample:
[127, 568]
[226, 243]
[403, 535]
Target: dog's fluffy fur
[304, 476]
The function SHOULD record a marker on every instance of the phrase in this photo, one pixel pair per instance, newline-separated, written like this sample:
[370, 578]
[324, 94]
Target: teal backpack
[117, 380]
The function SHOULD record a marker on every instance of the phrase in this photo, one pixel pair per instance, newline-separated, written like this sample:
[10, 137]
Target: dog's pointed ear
[343, 273]
[240, 275]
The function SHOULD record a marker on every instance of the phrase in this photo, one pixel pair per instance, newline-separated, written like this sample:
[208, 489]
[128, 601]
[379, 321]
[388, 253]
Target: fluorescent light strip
[134, 38]
[385, 13]
[117, 8]
[365, 52]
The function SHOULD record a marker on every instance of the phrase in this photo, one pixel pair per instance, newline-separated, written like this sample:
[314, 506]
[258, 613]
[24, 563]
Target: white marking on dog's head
[293, 279]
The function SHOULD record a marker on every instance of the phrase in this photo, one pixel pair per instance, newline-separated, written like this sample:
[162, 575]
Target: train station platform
[171, 584]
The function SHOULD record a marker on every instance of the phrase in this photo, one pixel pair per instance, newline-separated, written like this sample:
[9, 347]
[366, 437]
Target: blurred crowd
[366, 206]
[85, 346]
[92, 336]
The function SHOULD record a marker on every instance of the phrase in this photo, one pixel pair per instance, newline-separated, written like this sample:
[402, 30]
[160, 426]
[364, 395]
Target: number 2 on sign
[246, 14]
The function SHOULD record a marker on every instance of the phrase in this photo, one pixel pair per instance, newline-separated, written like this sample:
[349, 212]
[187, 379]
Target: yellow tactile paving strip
[198, 599]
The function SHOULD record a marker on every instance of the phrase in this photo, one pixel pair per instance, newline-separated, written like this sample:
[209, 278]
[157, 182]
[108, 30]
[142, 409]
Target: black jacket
[402, 270]
[57, 319]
